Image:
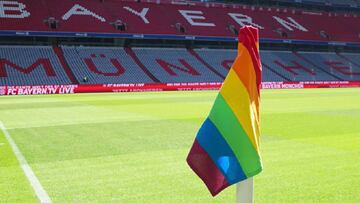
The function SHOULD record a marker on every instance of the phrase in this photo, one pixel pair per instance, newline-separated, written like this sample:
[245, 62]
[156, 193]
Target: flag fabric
[226, 148]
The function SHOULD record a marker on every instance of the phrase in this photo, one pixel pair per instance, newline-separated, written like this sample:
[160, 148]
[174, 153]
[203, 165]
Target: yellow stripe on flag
[237, 97]
[244, 68]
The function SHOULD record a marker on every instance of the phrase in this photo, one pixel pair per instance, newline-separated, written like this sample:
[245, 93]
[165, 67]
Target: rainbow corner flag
[226, 148]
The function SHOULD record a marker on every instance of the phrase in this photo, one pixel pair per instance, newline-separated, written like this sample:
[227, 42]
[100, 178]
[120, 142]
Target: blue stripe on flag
[220, 152]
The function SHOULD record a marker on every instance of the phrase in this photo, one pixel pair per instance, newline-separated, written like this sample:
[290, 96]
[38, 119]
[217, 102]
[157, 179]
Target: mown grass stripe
[29, 173]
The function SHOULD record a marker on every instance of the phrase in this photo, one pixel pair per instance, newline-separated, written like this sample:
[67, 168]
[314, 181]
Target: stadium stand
[292, 67]
[20, 65]
[165, 22]
[352, 58]
[175, 65]
[167, 19]
[222, 59]
[103, 65]
[331, 63]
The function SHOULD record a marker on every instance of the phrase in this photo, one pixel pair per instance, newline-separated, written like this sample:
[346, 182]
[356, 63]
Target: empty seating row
[42, 65]
[175, 65]
[21, 65]
[103, 65]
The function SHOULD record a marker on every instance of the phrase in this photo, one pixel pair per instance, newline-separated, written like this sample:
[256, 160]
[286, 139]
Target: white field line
[29, 173]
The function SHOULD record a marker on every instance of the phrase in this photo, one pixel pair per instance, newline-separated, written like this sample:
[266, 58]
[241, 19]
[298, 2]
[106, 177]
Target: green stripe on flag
[230, 128]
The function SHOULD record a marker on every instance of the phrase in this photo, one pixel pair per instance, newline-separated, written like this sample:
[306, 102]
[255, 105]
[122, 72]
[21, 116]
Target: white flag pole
[245, 191]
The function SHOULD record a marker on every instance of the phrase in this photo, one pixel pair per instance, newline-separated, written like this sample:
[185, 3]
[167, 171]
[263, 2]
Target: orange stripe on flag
[243, 66]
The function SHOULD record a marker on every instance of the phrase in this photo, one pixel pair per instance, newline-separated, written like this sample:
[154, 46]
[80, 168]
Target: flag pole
[245, 191]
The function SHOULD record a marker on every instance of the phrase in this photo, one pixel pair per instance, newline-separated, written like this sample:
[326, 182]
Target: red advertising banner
[309, 84]
[72, 89]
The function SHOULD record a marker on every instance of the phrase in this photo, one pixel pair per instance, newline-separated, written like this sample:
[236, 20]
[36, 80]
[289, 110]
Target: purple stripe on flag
[201, 163]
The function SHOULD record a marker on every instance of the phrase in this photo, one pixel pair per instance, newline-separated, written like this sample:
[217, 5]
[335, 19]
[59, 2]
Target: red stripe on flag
[248, 37]
[201, 163]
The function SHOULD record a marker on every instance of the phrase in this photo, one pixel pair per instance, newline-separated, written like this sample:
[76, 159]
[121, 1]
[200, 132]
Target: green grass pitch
[131, 147]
